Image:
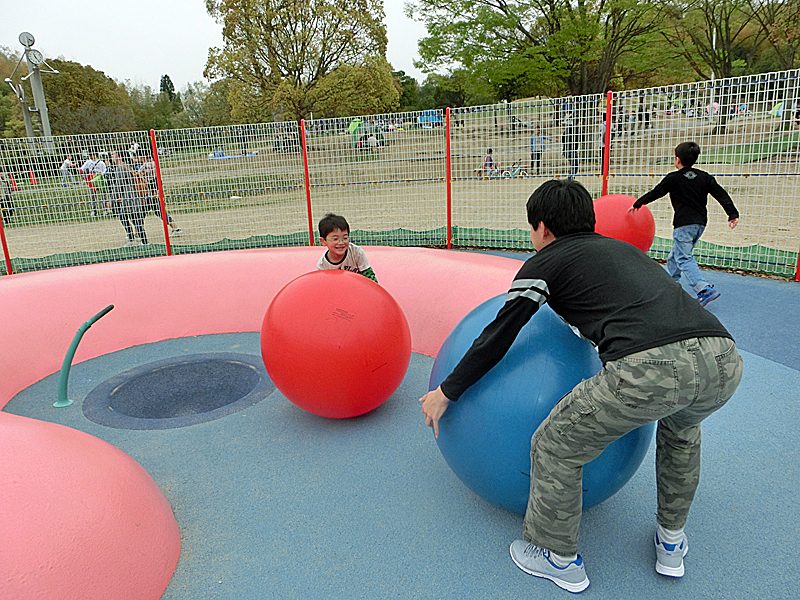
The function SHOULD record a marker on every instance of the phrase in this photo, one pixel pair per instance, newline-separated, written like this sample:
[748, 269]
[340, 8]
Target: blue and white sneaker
[669, 557]
[536, 561]
[707, 295]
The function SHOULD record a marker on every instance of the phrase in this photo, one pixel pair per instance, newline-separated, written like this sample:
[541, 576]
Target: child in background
[66, 173]
[537, 149]
[334, 234]
[489, 167]
[688, 190]
[148, 190]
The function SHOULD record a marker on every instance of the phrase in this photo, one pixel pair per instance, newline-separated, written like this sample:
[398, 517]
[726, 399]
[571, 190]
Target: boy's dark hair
[687, 152]
[330, 222]
[563, 205]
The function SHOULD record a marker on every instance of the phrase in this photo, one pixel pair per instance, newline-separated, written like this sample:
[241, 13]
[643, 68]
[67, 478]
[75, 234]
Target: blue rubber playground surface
[273, 502]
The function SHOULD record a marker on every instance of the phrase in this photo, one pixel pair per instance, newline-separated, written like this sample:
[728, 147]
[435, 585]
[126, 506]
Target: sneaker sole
[575, 588]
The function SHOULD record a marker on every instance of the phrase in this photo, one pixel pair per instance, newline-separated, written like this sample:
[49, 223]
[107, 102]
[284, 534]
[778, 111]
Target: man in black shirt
[665, 359]
[688, 190]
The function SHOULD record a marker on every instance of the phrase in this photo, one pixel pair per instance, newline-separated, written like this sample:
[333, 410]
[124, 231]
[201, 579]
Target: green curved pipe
[63, 377]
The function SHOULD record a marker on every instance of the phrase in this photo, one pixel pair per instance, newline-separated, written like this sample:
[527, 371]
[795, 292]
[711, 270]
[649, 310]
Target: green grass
[740, 154]
[241, 185]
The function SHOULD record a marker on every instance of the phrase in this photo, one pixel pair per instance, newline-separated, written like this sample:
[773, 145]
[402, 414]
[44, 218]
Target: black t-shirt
[688, 191]
[612, 293]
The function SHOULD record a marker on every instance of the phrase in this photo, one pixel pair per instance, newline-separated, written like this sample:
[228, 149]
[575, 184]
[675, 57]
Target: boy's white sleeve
[362, 262]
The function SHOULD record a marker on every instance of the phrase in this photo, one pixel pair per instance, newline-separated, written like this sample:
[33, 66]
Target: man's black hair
[688, 153]
[330, 222]
[563, 205]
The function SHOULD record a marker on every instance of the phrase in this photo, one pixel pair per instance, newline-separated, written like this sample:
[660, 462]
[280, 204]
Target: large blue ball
[485, 437]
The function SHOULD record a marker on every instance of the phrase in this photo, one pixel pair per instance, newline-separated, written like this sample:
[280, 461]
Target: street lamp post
[34, 59]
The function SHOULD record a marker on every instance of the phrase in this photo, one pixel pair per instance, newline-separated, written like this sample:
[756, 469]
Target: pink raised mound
[81, 519]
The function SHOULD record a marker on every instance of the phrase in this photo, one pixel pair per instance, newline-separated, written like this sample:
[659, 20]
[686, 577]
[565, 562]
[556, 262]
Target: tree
[409, 95]
[11, 123]
[82, 100]
[349, 90]
[156, 110]
[168, 90]
[707, 34]
[278, 52]
[531, 47]
[204, 106]
[442, 91]
[781, 22]
[151, 110]
[79, 99]
[167, 87]
[655, 64]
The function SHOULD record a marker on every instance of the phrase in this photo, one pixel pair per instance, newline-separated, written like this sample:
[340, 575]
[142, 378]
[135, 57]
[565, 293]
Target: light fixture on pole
[35, 59]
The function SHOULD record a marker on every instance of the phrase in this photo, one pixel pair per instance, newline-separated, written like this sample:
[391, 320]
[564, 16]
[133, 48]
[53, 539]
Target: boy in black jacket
[665, 359]
[688, 190]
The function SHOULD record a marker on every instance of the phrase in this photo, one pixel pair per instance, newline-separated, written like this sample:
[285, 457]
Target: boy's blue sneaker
[707, 295]
[669, 557]
[536, 561]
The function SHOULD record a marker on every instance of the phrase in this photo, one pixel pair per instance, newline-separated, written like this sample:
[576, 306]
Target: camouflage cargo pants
[677, 384]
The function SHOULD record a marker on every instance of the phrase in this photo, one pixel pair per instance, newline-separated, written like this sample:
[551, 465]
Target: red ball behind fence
[613, 220]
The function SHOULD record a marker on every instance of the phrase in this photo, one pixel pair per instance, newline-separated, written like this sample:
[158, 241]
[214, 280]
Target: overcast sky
[141, 40]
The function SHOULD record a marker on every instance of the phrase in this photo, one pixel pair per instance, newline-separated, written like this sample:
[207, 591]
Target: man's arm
[434, 405]
[490, 346]
[724, 199]
[661, 190]
[486, 351]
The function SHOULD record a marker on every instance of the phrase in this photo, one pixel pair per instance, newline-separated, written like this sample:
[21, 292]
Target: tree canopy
[533, 47]
[83, 100]
[521, 48]
[204, 106]
[286, 59]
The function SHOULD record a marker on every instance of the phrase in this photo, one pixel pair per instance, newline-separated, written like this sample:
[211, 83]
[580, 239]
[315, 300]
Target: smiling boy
[334, 234]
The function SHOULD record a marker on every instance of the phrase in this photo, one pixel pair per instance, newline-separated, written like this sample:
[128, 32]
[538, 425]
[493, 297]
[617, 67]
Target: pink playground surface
[224, 292]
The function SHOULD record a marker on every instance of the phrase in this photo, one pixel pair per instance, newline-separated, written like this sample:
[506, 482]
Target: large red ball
[613, 220]
[335, 343]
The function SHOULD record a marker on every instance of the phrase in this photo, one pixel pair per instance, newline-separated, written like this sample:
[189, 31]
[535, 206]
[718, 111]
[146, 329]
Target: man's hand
[733, 223]
[434, 404]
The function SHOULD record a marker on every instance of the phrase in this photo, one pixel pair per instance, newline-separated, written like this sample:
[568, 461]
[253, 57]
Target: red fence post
[9, 270]
[307, 180]
[448, 178]
[607, 143]
[154, 149]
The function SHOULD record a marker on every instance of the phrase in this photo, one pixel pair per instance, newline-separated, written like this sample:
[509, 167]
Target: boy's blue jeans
[680, 259]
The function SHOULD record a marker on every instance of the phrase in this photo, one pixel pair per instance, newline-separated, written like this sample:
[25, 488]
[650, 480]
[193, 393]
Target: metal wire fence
[430, 178]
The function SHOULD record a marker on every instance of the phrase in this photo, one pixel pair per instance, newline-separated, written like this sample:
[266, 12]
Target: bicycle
[492, 172]
[516, 171]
